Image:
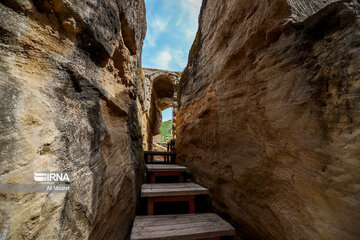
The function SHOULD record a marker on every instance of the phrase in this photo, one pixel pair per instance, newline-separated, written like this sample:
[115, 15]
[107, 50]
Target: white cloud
[180, 58]
[192, 6]
[155, 27]
[163, 59]
[188, 18]
[159, 24]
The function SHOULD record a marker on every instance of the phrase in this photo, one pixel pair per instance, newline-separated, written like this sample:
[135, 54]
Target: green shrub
[166, 130]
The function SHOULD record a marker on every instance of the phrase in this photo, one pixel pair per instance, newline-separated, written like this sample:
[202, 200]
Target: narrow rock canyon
[269, 116]
[266, 115]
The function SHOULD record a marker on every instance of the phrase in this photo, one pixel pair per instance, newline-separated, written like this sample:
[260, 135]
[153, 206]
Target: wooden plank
[165, 168]
[195, 229]
[161, 153]
[183, 226]
[158, 220]
[171, 185]
[172, 189]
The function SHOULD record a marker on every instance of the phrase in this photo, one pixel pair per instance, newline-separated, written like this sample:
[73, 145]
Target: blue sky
[171, 30]
[167, 114]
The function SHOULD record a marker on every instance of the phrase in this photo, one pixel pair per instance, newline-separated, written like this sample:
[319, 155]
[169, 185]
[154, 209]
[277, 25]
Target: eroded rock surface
[71, 101]
[269, 116]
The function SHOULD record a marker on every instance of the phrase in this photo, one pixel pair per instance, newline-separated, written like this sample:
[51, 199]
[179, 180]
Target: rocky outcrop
[269, 116]
[160, 93]
[72, 99]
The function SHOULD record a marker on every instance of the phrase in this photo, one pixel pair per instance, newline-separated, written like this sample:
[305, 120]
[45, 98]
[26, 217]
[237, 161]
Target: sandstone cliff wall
[71, 100]
[269, 116]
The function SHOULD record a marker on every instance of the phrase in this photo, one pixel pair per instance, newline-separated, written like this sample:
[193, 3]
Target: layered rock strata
[72, 100]
[269, 116]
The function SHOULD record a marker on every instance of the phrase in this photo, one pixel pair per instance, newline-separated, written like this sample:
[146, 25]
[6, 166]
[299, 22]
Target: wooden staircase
[193, 225]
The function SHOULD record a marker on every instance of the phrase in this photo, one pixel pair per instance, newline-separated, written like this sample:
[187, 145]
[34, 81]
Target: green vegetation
[166, 131]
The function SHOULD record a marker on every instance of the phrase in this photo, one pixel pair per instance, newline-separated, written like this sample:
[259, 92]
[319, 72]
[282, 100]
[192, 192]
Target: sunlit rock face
[71, 99]
[269, 116]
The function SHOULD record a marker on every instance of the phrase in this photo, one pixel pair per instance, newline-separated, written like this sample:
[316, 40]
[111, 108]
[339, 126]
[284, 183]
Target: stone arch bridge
[160, 93]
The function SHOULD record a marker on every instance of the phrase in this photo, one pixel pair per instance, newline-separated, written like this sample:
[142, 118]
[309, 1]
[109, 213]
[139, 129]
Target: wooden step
[182, 226]
[165, 168]
[172, 189]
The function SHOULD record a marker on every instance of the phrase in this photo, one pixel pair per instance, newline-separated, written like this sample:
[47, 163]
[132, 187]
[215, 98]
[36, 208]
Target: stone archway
[161, 93]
